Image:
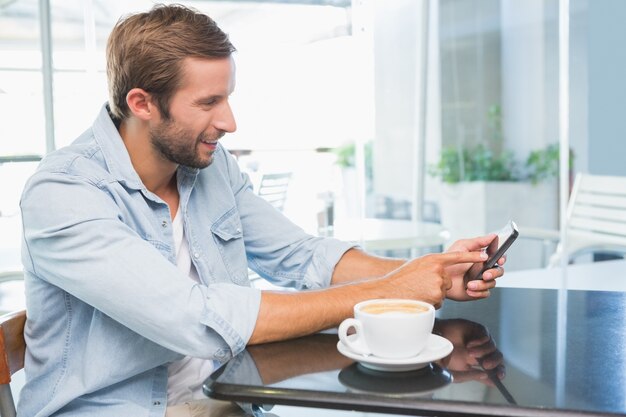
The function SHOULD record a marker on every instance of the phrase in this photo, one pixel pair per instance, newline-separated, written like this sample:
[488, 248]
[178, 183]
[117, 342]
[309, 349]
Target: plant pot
[470, 209]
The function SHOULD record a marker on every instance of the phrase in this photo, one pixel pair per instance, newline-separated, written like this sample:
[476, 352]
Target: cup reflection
[419, 383]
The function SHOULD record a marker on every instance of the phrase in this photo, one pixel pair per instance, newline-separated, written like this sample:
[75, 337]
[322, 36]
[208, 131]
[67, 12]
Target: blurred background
[441, 112]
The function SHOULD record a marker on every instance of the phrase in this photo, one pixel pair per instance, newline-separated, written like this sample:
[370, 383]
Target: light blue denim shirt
[107, 307]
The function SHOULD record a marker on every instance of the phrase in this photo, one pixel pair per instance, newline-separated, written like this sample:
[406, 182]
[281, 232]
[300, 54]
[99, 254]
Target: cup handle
[355, 342]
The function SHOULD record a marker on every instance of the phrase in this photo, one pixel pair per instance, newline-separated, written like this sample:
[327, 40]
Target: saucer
[418, 383]
[436, 348]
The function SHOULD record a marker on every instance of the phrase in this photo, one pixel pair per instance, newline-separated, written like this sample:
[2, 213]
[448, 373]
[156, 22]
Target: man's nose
[226, 119]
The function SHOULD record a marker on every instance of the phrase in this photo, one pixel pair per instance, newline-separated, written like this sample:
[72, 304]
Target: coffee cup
[389, 328]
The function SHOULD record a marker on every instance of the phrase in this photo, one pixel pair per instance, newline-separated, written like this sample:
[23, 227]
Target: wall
[607, 89]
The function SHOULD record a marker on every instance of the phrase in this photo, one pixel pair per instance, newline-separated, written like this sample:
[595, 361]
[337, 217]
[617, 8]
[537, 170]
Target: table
[390, 234]
[563, 352]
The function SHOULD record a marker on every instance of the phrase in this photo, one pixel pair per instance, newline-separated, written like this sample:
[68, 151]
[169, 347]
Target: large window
[497, 158]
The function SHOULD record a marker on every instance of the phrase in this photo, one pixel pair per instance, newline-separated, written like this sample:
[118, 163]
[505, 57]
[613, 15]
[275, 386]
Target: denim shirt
[108, 309]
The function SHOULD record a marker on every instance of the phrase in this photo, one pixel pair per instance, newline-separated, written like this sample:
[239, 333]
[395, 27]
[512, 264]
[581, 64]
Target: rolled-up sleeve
[325, 257]
[234, 322]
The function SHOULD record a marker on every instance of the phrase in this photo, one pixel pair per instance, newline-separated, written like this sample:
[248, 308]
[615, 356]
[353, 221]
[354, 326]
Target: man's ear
[141, 105]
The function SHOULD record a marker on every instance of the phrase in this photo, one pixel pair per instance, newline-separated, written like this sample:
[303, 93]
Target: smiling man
[138, 238]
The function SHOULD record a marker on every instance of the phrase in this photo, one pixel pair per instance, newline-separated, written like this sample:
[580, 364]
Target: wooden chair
[596, 219]
[273, 188]
[12, 349]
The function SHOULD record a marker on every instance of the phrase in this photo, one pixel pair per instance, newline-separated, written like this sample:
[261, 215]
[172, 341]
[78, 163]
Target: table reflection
[564, 350]
[508, 359]
[301, 368]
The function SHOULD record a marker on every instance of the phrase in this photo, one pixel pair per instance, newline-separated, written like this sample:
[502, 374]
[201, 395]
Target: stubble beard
[176, 144]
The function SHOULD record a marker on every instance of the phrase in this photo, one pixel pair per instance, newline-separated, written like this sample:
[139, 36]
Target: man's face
[199, 113]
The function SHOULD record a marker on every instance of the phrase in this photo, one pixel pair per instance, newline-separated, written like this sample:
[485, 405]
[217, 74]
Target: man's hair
[146, 50]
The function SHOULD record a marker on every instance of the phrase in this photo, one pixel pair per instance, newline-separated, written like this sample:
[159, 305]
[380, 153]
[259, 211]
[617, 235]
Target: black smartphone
[498, 246]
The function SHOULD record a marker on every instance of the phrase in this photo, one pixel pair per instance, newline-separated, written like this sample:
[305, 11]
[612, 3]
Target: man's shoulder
[81, 158]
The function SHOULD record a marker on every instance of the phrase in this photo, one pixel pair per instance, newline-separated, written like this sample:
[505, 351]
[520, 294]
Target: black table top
[543, 352]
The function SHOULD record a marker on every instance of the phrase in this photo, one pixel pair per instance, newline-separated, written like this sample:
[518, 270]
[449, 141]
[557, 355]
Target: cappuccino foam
[384, 308]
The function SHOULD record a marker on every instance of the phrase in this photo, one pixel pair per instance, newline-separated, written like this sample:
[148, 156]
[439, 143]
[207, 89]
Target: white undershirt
[185, 377]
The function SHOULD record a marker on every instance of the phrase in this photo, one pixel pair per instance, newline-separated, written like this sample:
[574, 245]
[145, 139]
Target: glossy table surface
[550, 352]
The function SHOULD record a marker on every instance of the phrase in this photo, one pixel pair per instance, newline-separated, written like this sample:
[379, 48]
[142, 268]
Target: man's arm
[287, 315]
[356, 265]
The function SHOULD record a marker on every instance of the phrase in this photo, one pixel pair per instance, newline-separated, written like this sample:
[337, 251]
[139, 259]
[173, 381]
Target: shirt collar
[116, 155]
[114, 151]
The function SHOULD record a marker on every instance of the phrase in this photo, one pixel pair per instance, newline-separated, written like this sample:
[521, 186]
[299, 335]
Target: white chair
[6, 276]
[596, 219]
[273, 188]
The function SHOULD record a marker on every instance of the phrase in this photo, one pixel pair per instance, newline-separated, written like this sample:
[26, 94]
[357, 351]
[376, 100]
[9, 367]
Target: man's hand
[475, 355]
[477, 288]
[428, 278]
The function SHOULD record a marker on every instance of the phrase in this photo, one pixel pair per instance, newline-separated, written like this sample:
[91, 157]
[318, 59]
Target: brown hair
[146, 50]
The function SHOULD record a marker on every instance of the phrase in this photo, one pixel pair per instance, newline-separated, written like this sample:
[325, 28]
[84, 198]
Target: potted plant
[485, 185]
[348, 195]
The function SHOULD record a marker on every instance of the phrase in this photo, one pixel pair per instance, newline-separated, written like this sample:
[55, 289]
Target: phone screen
[498, 246]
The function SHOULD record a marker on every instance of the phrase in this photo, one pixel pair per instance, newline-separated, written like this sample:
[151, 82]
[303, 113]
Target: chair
[12, 348]
[596, 219]
[12, 275]
[273, 188]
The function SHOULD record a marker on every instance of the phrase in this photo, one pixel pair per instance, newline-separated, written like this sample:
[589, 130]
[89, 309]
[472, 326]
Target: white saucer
[437, 347]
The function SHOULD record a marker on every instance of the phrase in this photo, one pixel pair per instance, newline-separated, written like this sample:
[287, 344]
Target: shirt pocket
[228, 236]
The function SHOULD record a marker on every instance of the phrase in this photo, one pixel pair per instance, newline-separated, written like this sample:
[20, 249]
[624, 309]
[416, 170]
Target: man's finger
[480, 242]
[451, 258]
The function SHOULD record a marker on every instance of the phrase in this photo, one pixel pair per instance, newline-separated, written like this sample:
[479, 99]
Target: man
[138, 236]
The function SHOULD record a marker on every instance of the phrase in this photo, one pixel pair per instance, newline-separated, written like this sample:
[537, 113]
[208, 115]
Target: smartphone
[498, 246]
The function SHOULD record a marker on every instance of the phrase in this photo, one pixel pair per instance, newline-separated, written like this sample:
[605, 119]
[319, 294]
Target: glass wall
[497, 157]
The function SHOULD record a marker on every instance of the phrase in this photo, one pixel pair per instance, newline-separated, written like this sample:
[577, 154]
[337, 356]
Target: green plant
[482, 162]
[488, 162]
[543, 163]
[477, 163]
[346, 157]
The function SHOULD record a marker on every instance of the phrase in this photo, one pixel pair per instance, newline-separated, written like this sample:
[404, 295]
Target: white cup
[389, 328]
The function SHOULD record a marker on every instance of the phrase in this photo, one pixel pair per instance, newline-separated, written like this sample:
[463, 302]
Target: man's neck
[155, 172]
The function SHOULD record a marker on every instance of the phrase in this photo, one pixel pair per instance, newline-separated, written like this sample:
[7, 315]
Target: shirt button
[238, 230]
[221, 355]
[196, 255]
[156, 403]
[164, 224]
